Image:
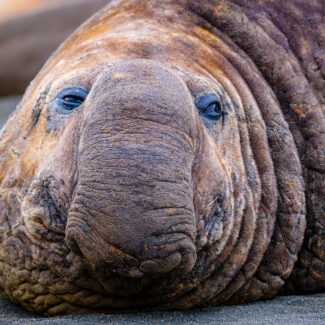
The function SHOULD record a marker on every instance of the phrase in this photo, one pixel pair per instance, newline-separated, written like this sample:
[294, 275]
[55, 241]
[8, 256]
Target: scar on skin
[299, 111]
[119, 75]
[105, 130]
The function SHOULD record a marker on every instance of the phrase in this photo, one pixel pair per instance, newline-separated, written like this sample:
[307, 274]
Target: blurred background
[30, 30]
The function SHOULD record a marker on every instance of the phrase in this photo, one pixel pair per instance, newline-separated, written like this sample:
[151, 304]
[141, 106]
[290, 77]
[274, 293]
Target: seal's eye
[209, 107]
[71, 98]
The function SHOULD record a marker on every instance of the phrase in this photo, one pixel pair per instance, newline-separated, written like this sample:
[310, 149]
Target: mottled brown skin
[30, 30]
[132, 202]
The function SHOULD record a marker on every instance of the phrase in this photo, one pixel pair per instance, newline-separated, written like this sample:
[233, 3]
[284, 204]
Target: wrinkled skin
[135, 201]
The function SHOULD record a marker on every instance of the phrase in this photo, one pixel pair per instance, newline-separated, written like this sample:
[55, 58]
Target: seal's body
[168, 155]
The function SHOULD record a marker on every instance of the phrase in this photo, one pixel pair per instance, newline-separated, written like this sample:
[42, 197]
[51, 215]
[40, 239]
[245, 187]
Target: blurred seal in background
[30, 31]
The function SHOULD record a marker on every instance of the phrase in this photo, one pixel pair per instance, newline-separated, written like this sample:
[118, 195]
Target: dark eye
[71, 98]
[209, 107]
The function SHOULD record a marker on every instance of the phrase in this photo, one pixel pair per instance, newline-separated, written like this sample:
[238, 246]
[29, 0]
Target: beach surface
[281, 310]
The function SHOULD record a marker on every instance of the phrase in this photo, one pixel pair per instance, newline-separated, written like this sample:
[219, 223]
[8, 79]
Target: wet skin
[136, 176]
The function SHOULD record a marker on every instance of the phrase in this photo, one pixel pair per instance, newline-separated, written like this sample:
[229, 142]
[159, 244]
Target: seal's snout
[133, 211]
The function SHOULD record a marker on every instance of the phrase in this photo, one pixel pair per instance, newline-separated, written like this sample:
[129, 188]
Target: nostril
[73, 245]
[162, 265]
[189, 256]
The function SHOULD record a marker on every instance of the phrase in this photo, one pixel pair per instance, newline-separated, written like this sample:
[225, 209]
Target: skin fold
[138, 199]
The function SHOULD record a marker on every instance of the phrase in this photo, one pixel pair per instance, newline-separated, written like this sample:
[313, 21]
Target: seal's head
[136, 182]
[145, 173]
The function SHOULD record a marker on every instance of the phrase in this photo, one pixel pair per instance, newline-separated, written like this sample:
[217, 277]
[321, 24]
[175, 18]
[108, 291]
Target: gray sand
[281, 310]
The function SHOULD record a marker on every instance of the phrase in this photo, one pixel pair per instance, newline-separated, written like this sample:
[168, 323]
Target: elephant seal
[29, 37]
[169, 154]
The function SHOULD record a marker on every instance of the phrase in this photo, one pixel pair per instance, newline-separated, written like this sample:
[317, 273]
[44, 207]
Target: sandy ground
[281, 310]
